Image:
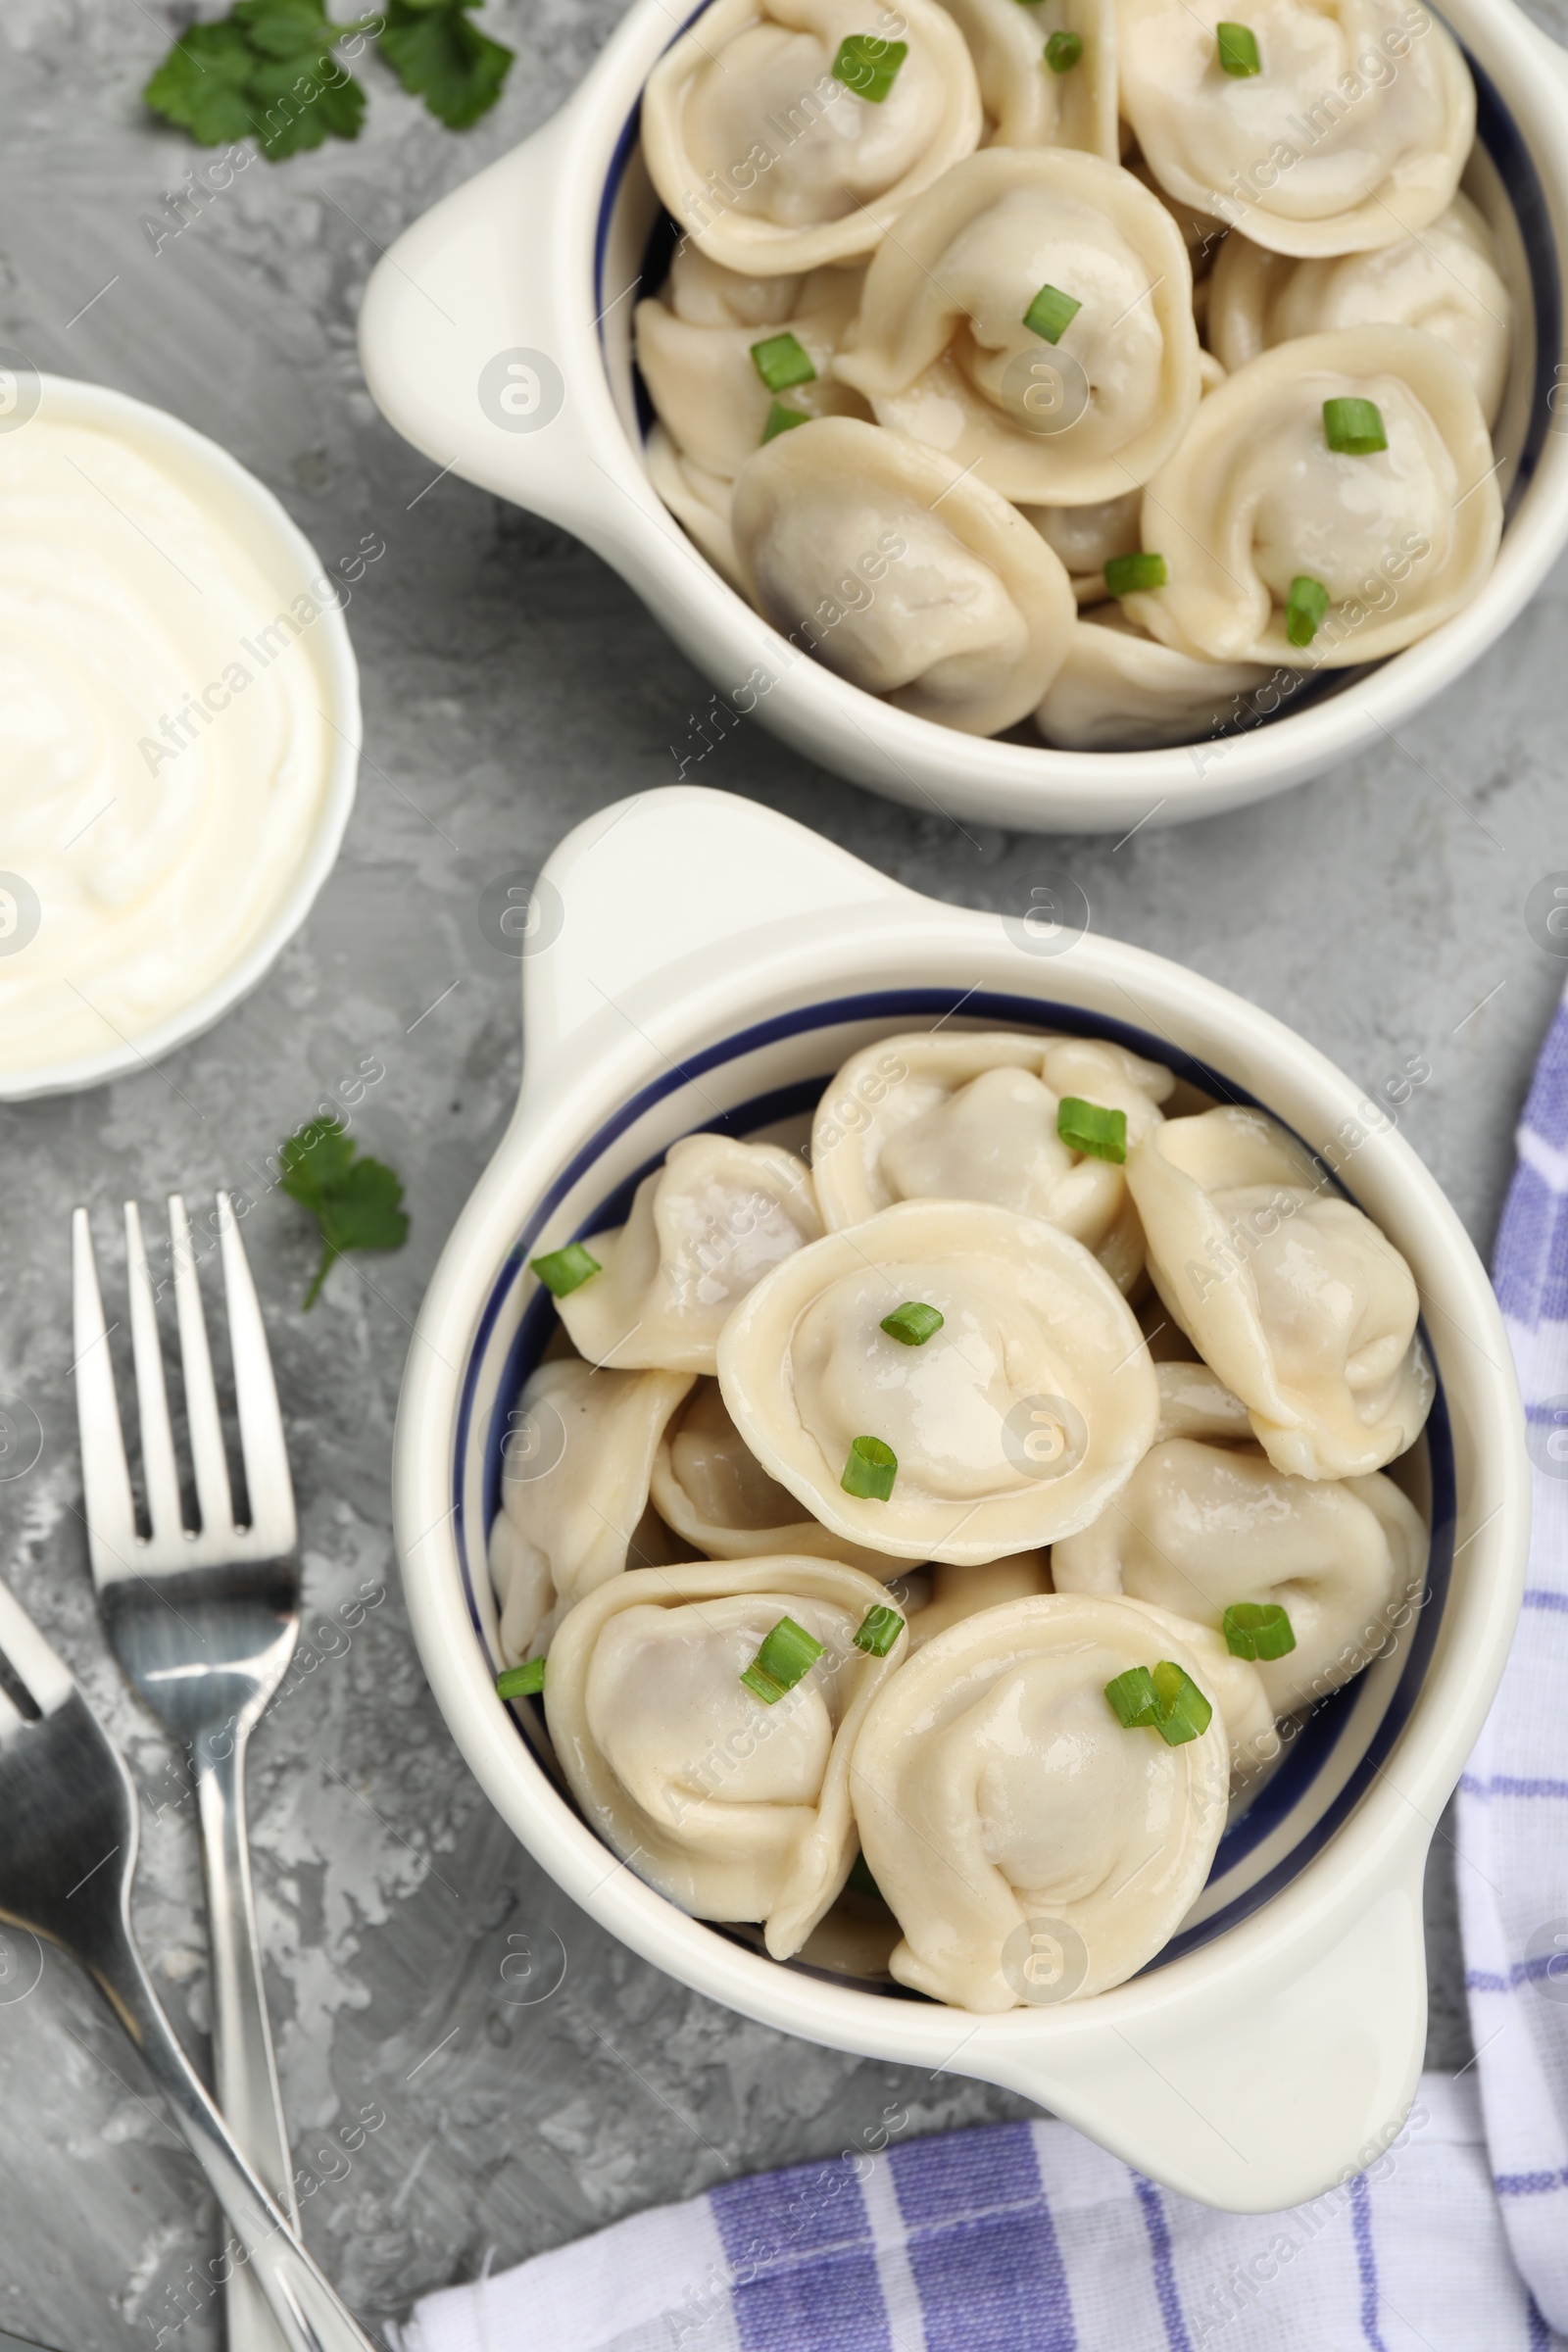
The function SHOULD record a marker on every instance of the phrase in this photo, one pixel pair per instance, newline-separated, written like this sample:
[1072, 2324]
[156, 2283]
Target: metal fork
[68, 1856]
[204, 1623]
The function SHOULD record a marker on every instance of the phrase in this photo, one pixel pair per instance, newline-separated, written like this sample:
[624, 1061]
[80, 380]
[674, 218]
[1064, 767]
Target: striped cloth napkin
[1513, 1801]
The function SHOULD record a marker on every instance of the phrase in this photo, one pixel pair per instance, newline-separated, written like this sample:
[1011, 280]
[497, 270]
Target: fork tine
[157, 1463]
[29, 1657]
[261, 1422]
[105, 1479]
[201, 1392]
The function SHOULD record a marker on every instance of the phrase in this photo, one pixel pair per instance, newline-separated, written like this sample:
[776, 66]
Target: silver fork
[204, 1623]
[68, 1856]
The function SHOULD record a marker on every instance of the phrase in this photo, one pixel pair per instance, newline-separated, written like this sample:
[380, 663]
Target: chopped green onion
[1164, 1698]
[870, 1470]
[781, 419]
[1305, 608]
[1051, 314]
[868, 66]
[880, 1628]
[1236, 46]
[562, 1271]
[860, 1881]
[1133, 1697]
[1062, 52]
[787, 1652]
[522, 1682]
[1257, 1629]
[913, 1323]
[780, 361]
[1130, 575]
[1090, 1128]
[1354, 427]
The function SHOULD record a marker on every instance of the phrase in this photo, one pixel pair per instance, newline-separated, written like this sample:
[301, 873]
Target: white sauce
[164, 754]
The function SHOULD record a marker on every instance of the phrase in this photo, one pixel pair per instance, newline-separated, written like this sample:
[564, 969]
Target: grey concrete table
[511, 686]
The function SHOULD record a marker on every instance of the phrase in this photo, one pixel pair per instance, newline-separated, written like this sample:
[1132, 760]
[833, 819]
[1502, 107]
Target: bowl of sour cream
[180, 730]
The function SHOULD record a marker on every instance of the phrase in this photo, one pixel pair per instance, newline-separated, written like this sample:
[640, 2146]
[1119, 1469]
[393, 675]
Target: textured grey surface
[511, 686]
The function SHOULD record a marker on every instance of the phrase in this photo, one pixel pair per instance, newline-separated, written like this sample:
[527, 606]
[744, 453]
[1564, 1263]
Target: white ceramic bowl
[289, 563]
[698, 960]
[536, 267]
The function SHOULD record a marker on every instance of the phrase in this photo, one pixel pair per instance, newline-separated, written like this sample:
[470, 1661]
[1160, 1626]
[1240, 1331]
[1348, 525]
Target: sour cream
[164, 749]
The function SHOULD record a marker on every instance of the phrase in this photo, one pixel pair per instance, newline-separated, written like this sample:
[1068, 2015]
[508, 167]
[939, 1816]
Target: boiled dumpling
[1033, 319]
[757, 139]
[700, 501]
[1445, 280]
[703, 1229]
[1122, 690]
[1009, 1421]
[960, 1593]
[1301, 1306]
[709, 1486]
[1256, 511]
[575, 1466]
[1351, 131]
[1198, 1528]
[1088, 538]
[1047, 73]
[1029, 1847]
[734, 1808]
[901, 574]
[1194, 1402]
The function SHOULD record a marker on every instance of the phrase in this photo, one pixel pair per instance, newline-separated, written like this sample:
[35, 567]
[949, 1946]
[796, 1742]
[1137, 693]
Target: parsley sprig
[354, 1200]
[267, 71]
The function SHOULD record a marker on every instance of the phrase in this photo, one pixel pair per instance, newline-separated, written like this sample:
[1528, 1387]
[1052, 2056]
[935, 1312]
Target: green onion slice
[1051, 314]
[880, 1628]
[868, 66]
[781, 419]
[1305, 608]
[1236, 46]
[1257, 1629]
[780, 361]
[913, 1323]
[870, 1470]
[1062, 52]
[522, 1682]
[1354, 427]
[787, 1652]
[1164, 1698]
[860, 1879]
[1130, 575]
[1133, 1697]
[562, 1271]
[1090, 1128]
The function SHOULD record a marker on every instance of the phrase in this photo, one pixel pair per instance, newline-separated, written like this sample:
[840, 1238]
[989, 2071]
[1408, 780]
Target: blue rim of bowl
[1308, 1754]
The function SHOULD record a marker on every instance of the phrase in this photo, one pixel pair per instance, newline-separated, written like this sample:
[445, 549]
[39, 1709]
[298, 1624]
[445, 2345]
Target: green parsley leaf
[354, 1200]
[438, 56]
[200, 85]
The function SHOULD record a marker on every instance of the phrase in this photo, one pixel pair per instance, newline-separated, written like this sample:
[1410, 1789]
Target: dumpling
[1047, 73]
[976, 1117]
[1033, 319]
[1301, 1306]
[786, 134]
[703, 1229]
[1088, 538]
[732, 1806]
[1031, 1847]
[575, 1467]
[1346, 129]
[700, 501]
[901, 573]
[1009, 1420]
[1194, 1402]
[1120, 689]
[709, 1486]
[960, 1593]
[1447, 280]
[1282, 549]
[1198, 1528]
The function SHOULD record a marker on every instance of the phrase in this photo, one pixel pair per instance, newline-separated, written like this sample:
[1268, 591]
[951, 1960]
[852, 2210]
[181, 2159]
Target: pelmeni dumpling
[700, 501]
[1301, 1306]
[973, 1116]
[1011, 1424]
[731, 1807]
[901, 574]
[575, 1465]
[709, 1486]
[1121, 690]
[1255, 500]
[960, 1593]
[1198, 1528]
[765, 153]
[1444, 279]
[1029, 100]
[1086, 538]
[1086, 403]
[703, 1228]
[1030, 1847]
[1194, 1402]
[1353, 131]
